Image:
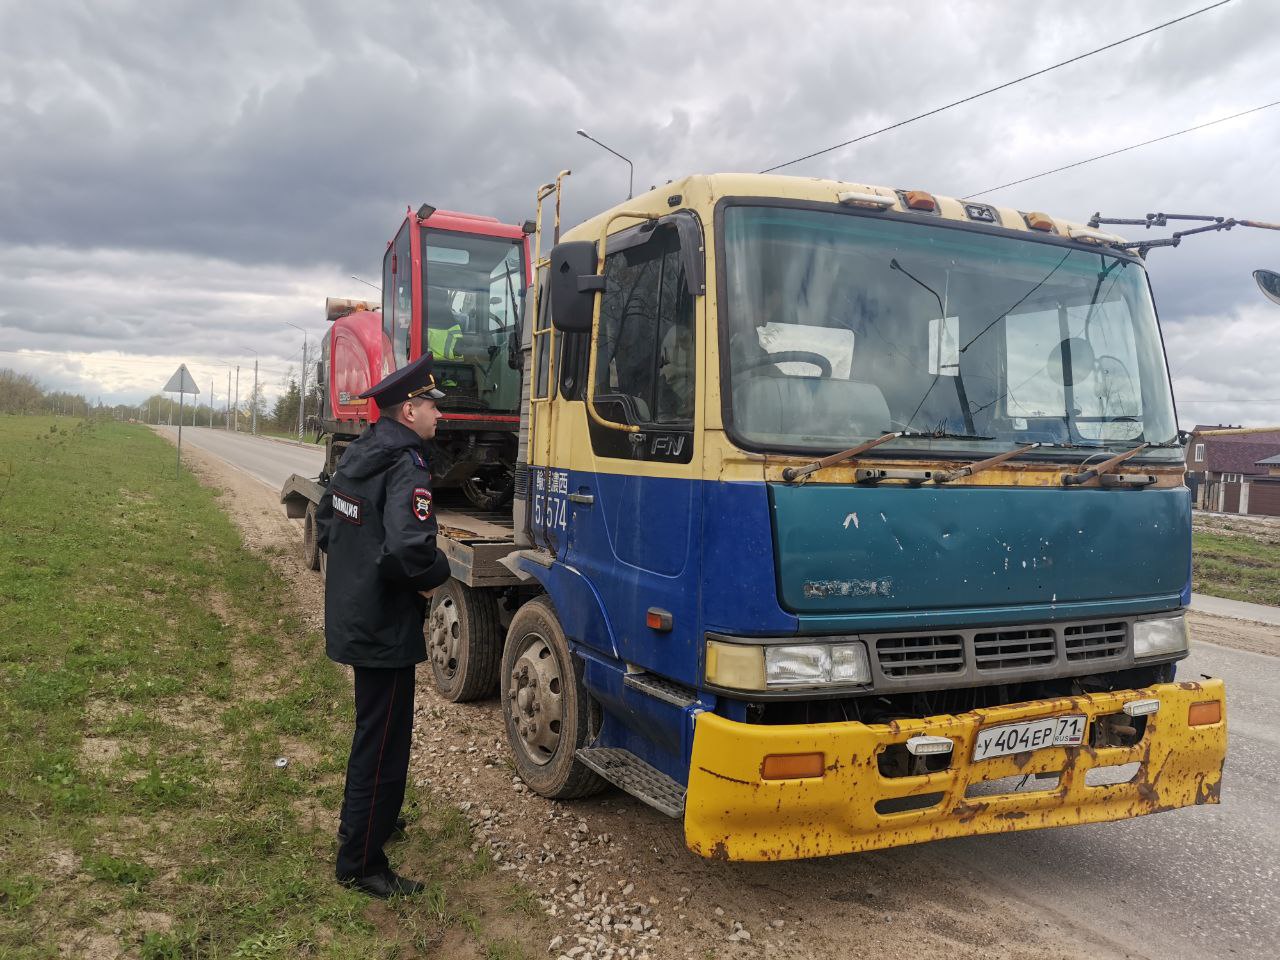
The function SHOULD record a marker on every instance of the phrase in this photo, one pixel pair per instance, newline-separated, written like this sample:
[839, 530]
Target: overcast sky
[179, 179]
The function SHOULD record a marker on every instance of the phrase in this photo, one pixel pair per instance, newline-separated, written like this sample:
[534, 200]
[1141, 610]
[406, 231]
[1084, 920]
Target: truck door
[633, 503]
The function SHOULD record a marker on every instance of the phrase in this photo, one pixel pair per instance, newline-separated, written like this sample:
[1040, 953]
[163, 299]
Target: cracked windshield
[843, 327]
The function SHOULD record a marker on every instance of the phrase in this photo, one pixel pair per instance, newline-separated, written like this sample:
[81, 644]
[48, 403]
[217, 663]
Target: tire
[546, 758]
[310, 545]
[464, 641]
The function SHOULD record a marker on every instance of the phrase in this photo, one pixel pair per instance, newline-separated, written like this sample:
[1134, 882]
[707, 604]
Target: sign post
[181, 383]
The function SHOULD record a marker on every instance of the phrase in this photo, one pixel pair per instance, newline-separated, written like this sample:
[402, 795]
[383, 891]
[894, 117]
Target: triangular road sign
[181, 382]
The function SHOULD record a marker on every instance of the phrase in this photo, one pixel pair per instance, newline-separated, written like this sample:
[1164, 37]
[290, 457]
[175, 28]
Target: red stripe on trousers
[373, 804]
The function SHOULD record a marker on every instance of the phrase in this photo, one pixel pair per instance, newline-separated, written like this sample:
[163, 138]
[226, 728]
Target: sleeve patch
[349, 508]
[421, 502]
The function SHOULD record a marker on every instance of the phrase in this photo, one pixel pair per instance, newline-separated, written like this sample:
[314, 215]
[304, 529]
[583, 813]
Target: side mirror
[1269, 284]
[573, 285]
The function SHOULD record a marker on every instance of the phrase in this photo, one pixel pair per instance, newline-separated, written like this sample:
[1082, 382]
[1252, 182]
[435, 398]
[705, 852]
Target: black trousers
[376, 770]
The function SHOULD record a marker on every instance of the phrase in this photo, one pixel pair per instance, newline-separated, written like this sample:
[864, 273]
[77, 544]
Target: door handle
[586, 499]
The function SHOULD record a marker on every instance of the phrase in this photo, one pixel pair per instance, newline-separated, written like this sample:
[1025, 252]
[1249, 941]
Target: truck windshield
[841, 327]
[470, 301]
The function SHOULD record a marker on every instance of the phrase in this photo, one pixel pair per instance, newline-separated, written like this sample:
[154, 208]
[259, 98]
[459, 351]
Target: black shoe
[384, 885]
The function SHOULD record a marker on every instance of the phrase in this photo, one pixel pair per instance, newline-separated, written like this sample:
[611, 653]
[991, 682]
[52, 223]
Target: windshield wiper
[970, 469]
[941, 435]
[791, 474]
[1075, 479]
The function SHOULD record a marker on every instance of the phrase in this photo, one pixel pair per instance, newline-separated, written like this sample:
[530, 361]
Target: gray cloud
[180, 179]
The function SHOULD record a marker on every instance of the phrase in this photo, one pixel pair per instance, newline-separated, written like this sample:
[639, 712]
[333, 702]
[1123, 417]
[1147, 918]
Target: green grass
[1236, 566]
[151, 671]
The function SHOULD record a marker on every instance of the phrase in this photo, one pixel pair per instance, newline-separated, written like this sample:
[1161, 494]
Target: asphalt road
[271, 461]
[1196, 883]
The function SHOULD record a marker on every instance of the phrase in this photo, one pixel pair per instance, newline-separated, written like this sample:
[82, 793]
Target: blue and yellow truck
[846, 517]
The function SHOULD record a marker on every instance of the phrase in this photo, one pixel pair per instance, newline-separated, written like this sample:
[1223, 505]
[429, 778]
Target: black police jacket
[377, 525]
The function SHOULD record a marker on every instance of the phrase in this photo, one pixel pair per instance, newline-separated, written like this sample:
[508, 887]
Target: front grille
[1095, 641]
[926, 656]
[1011, 649]
[993, 654]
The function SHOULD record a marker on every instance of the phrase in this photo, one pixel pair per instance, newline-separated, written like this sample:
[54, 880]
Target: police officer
[378, 528]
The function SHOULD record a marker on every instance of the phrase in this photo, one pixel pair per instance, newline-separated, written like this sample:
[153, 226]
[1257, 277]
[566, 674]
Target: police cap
[407, 383]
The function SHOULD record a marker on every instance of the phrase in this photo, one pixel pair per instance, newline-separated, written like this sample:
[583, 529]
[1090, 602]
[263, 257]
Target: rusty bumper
[732, 812]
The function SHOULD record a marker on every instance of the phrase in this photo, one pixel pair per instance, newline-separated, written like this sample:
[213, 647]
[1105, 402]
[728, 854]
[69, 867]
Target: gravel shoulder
[1238, 634]
[613, 877]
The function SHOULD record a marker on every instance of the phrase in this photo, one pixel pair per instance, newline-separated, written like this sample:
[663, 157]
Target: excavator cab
[453, 285]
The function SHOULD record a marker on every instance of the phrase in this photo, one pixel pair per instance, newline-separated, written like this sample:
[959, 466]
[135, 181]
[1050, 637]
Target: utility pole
[302, 386]
[254, 427]
[228, 396]
[235, 421]
[211, 397]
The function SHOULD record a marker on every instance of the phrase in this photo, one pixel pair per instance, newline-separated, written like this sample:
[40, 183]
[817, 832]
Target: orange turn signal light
[792, 766]
[1204, 713]
[1040, 221]
[656, 618]
[920, 200]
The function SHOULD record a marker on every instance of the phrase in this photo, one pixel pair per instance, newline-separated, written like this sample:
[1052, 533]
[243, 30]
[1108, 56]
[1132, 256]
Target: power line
[1003, 86]
[1112, 153]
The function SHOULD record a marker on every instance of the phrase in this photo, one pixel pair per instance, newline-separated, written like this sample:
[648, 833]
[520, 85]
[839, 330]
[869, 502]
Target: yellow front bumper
[732, 813]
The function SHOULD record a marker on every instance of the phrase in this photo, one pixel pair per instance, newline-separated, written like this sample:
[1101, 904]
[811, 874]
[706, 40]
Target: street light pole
[302, 378]
[631, 180]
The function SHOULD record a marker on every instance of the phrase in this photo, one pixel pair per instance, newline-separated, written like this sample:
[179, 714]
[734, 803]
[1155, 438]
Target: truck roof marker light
[1204, 713]
[872, 201]
[425, 211]
[921, 200]
[793, 766]
[1039, 221]
[924, 746]
[1092, 236]
[1142, 708]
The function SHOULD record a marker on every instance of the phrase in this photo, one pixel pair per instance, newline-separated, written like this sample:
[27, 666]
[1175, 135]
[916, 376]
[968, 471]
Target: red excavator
[453, 285]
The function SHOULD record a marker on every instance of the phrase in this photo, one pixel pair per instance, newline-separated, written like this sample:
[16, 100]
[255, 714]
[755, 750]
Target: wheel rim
[445, 638]
[534, 693]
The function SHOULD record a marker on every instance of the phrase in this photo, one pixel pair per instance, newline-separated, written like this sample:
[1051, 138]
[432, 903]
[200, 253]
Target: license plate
[1065, 731]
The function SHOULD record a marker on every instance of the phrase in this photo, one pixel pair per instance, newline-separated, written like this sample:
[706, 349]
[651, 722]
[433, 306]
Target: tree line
[21, 393]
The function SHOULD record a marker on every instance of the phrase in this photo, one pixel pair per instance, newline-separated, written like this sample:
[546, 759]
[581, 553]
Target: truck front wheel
[463, 640]
[545, 705]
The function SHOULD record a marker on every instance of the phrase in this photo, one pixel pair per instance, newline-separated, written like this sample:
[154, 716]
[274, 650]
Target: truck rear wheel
[463, 641]
[545, 705]
[310, 546]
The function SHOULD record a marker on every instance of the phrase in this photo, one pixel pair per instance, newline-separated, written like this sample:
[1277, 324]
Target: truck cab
[805, 657]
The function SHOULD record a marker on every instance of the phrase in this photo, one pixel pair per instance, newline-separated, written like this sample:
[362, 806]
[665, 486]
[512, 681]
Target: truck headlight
[758, 667]
[1159, 638]
[792, 666]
